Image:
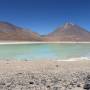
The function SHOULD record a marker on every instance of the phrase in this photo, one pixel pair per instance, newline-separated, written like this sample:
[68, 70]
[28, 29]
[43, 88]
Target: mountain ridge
[68, 32]
[9, 31]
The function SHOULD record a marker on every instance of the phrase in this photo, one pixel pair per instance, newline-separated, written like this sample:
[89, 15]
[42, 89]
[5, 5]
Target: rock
[18, 87]
[78, 85]
[31, 82]
[87, 83]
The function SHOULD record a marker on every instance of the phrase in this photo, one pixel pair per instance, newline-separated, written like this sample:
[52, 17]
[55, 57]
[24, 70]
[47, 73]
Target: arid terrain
[10, 32]
[43, 75]
[68, 32]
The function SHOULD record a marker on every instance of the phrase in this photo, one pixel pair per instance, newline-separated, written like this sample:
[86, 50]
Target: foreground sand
[43, 75]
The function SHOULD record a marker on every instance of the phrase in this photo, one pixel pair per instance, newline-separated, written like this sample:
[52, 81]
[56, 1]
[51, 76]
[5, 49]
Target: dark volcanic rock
[87, 83]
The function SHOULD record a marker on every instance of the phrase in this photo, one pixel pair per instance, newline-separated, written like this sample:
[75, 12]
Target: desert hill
[68, 32]
[11, 32]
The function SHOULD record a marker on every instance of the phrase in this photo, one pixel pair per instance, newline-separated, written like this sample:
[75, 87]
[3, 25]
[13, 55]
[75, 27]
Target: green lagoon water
[56, 51]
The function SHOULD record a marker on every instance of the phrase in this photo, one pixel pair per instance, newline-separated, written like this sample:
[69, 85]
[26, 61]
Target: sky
[44, 16]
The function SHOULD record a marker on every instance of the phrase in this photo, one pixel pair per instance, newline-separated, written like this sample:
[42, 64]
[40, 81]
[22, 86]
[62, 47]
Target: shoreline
[28, 42]
[55, 60]
[41, 75]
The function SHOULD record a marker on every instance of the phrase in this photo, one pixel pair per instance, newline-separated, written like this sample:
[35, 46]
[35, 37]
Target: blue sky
[44, 16]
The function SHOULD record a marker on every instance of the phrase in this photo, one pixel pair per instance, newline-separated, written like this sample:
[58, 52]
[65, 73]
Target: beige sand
[31, 42]
[43, 75]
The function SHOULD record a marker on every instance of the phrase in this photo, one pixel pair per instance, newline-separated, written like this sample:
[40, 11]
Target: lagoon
[45, 51]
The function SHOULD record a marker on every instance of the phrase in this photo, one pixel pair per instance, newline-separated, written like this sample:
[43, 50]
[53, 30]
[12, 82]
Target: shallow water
[44, 51]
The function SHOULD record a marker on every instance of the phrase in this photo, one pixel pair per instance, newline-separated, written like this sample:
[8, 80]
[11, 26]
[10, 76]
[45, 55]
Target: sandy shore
[28, 42]
[43, 75]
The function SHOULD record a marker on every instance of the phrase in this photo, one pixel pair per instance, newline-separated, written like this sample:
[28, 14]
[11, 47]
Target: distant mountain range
[11, 32]
[69, 32]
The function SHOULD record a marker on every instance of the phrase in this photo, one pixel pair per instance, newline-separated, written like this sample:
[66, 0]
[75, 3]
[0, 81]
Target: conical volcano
[69, 32]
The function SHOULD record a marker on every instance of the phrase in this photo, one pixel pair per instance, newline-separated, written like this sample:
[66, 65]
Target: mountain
[69, 32]
[11, 32]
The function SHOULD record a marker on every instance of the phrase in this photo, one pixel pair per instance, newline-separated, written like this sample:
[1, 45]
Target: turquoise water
[44, 51]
